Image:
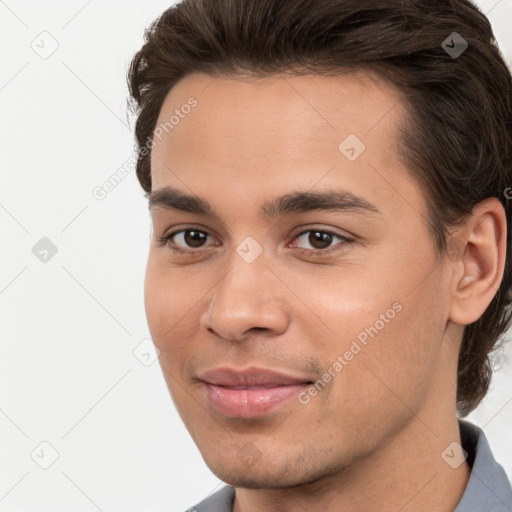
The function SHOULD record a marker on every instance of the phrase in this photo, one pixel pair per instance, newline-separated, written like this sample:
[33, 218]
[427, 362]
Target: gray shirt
[488, 489]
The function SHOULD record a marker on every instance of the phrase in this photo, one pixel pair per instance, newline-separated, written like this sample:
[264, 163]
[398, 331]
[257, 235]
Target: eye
[185, 240]
[321, 240]
[189, 238]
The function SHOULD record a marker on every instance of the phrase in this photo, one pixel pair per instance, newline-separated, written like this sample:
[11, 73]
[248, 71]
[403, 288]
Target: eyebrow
[292, 203]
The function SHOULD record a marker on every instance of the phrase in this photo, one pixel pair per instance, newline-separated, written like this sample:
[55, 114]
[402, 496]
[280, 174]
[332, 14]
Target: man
[330, 266]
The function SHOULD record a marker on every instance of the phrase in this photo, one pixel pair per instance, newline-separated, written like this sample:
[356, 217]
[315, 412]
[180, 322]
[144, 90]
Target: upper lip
[251, 376]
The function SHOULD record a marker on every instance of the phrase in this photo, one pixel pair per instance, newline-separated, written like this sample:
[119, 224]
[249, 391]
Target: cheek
[389, 338]
[168, 313]
[342, 303]
[166, 304]
[402, 360]
[154, 300]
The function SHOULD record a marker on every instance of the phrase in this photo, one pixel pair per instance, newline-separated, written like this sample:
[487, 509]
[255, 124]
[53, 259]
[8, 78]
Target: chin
[247, 481]
[265, 476]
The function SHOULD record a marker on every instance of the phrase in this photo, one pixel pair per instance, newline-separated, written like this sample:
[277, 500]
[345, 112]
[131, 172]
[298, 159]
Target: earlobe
[479, 271]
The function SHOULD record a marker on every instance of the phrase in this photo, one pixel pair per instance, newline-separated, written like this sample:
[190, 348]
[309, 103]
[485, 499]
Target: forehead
[280, 131]
[288, 106]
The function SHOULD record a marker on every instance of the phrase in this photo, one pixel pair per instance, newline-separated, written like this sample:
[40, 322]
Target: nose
[247, 301]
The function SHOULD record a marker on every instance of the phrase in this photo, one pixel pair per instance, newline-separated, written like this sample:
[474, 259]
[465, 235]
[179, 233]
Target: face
[340, 296]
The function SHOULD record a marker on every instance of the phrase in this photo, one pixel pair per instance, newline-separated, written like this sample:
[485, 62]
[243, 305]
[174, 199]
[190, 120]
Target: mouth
[251, 392]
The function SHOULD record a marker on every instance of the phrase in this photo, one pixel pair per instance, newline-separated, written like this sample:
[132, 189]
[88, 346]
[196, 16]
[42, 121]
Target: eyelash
[163, 241]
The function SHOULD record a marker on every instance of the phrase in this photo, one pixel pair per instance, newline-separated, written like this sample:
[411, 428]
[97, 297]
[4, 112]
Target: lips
[250, 392]
[250, 377]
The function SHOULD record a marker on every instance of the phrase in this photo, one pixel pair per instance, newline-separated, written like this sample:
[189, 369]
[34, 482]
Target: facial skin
[372, 439]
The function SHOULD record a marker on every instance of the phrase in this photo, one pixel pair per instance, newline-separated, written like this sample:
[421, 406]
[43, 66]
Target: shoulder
[219, 501]
[488, 487]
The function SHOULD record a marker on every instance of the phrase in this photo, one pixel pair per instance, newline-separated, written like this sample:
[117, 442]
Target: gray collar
[488, 488]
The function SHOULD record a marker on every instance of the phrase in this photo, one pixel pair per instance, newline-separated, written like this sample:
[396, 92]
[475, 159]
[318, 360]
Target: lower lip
[249, 403]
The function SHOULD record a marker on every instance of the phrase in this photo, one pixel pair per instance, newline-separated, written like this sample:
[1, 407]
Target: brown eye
[320, 240]
[185, 239]
[194, 238]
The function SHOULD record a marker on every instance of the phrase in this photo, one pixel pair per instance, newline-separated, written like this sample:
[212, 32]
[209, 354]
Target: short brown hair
[458, 144]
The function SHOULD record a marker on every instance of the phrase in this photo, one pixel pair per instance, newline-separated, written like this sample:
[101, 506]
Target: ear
[478, 271]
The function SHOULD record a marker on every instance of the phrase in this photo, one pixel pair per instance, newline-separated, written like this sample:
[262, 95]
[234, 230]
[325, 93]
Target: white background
[68, 374]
